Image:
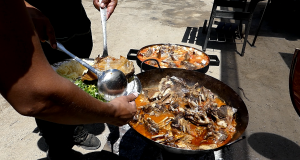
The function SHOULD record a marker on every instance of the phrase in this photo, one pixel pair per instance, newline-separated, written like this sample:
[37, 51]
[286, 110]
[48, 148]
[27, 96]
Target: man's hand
[42, 25]
[109, 4]
[125, 111]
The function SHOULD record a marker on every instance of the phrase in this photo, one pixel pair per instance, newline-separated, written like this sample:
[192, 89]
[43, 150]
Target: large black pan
[133, 55]
[151, 78]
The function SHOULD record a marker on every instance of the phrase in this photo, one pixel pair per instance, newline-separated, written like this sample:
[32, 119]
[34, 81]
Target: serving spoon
[103, 21]
[111, 82]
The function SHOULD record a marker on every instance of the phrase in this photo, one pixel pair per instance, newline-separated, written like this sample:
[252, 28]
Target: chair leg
[246, 35]
[241, 21]
[260, 23]
[208, 31]
[211, 19]
[204, 30]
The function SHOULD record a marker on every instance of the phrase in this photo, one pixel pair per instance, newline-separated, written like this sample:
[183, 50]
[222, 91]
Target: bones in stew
[174, 56]
[184, 116]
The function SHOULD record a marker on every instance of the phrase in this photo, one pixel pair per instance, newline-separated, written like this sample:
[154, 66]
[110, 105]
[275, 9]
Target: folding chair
[237, 15]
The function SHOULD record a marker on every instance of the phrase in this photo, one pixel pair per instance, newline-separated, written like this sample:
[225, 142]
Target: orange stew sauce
[197, 136]
[196, 59]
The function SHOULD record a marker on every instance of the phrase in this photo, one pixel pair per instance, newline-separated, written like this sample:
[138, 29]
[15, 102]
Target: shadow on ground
[287, 57]
[228, 51]
[282, 24]
[102, 155]
[95, 129]
[97, 156]
[273, 146]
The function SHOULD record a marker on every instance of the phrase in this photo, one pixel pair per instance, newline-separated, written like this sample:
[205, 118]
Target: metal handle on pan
[241, 138]
[216, 61]
[132, 54]
[150, 60]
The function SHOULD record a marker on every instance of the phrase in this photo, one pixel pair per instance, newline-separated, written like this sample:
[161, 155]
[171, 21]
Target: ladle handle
[61, 48]
[103, 20]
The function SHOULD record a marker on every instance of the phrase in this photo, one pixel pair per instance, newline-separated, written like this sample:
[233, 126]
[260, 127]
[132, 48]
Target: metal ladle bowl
[112, 83]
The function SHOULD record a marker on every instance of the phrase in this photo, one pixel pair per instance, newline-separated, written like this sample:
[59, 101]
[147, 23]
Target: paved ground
[260, 77]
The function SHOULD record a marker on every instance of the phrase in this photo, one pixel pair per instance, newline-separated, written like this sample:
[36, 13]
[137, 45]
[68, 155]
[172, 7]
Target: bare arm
[32, 87]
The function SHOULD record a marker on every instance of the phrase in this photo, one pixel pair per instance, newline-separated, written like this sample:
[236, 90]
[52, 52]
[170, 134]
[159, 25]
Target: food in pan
[184, 116]
[71, 69]
[174, 56]
[109, 62]
[77, 73]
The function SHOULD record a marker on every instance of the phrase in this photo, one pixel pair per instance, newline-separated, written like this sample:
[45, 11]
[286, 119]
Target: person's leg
[57, 136]
[61, 138]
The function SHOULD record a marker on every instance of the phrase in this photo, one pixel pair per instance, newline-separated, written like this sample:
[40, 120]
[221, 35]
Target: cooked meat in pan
[174, 56]
[184, 116]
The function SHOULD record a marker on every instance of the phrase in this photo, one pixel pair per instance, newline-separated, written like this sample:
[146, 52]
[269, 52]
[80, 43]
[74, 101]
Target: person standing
[34, 89]
[65, 21]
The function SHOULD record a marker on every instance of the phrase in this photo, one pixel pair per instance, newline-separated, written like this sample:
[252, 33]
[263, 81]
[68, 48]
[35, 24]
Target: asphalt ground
[260, 77]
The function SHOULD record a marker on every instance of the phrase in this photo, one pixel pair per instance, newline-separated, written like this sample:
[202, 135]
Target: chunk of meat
[149, 52]
[181, 124]
[172, 65]
[185, 141]
[151, 93]
[164, 84]
[224, 115]
[197, 117]
[187, 56]
[188, 65]
[151, 126]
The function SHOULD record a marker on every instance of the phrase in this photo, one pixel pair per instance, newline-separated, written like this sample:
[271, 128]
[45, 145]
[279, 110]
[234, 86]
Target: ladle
[111, 82]
[103, 21]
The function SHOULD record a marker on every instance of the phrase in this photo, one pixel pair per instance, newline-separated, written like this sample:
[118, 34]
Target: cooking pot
[151, 78]
[133, 55]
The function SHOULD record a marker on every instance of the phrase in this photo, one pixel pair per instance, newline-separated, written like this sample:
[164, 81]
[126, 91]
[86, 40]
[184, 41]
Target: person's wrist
[113, 109]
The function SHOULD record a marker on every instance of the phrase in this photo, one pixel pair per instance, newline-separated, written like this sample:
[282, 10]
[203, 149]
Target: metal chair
[241, 15]
[294, 81]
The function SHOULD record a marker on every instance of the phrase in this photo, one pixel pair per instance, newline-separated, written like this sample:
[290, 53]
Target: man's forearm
[29, 83]
[67, 104]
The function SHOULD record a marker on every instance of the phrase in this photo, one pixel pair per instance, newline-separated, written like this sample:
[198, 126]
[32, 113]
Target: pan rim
[244, 113]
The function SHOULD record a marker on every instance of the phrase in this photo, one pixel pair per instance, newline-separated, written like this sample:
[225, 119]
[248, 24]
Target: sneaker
[86, 140]
[65, 155]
